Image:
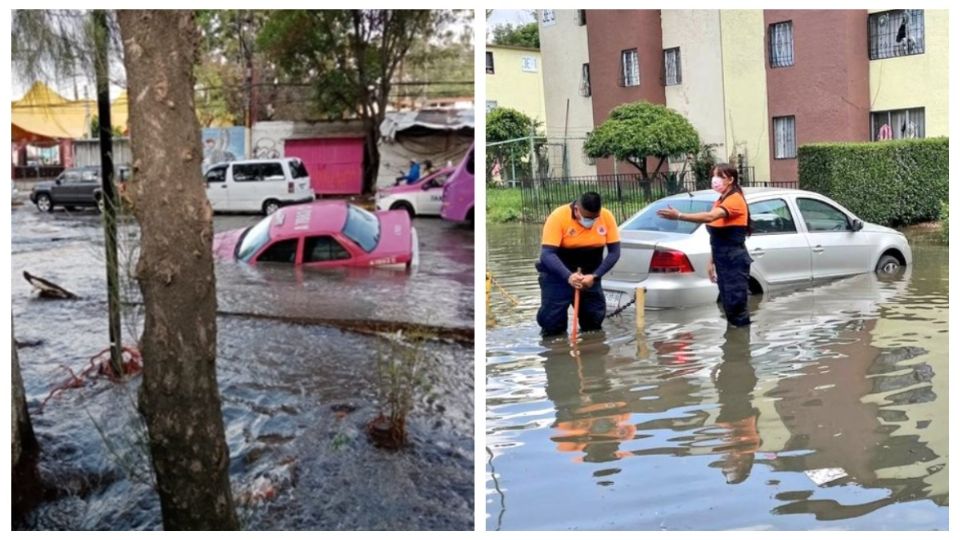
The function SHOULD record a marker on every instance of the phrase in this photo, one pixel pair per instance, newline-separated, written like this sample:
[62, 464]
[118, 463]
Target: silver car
[799, 238]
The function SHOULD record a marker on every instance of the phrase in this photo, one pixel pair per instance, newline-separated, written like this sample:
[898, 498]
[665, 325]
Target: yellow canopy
[46, 114]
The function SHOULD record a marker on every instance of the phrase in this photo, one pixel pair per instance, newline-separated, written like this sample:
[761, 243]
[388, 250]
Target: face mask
[717, 184]
[587, 222]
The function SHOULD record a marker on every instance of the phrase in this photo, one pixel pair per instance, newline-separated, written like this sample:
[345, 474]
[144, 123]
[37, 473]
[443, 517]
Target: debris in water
[48, 289]
[131, 363]
[825, 476]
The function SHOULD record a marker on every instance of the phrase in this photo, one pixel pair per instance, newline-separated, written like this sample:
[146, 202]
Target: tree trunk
[179, 397]
[27, 488]
[371, 155]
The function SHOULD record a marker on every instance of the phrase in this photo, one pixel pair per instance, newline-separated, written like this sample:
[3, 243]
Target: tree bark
[179, 397]
[27, 488]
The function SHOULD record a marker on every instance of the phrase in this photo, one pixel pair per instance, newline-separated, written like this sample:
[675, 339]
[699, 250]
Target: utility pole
[107, 194]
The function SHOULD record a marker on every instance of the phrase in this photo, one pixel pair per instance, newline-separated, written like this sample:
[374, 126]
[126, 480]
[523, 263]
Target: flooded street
[296, 397]
[829, 412]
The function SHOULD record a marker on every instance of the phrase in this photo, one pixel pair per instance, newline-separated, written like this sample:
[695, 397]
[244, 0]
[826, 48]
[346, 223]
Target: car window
[217, 174]
[648, 220]
[70, 177]
[771, 217]
[254, 238]
[90, 175]
[470, 162]
[362, 227]
[271, 171]
[323, 248]
[438, 181]
[283, 251]
[820, 216]
[297, 169]
[248, 172]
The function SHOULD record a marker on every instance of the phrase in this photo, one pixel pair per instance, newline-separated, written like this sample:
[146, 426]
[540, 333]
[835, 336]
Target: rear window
[362, 227]
[253, 239]
[648, 220]
[298, 170]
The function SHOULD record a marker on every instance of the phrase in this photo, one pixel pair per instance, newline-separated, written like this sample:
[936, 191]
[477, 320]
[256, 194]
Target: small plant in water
[400, 379]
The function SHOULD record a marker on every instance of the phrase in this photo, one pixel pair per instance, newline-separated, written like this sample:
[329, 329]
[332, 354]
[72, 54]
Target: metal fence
[622, 194]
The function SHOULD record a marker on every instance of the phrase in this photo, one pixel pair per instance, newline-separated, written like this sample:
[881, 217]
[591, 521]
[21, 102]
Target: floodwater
[829, 412]
[296, 398]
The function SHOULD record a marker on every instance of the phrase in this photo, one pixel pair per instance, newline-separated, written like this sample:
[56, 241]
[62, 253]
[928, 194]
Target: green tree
[636, 131]
[506, 126]
[521, 35]
[350, 58]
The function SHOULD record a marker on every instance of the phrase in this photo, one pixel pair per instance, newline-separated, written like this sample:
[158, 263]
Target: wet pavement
[296, 398]
[829, 412]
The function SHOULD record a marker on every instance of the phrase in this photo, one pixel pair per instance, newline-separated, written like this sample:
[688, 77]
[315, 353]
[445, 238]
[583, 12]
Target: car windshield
[648, 220]
[362, 227]
[253, 239]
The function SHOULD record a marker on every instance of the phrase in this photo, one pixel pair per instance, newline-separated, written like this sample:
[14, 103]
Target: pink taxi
[421, 198]
[324, 234]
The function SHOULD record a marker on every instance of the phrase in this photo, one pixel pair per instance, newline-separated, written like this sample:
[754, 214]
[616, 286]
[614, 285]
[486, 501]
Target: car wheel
[270, 206]
[100, 204]
[44, 203]
[404, 206]
[888, 265]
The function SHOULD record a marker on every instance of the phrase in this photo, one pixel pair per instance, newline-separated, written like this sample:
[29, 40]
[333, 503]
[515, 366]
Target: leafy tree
[349, 58]
[639, 130]
[505, 124]
[521, 35]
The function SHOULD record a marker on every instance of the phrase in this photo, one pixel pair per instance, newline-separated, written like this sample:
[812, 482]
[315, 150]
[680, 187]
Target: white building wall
[563, 47]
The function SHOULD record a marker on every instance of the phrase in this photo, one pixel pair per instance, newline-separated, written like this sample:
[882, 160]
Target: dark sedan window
[771, 217]
[821, 217]
[283, 251]
[648, 220]
[323, 248]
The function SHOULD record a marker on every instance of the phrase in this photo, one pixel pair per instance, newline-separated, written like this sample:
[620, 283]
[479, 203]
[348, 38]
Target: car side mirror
[857, 225]
[57, 181]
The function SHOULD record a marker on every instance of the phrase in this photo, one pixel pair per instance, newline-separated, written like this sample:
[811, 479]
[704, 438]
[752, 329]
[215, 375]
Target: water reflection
[830, 408]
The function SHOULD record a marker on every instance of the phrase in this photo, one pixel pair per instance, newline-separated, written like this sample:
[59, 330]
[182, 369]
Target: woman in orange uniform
[729, 225]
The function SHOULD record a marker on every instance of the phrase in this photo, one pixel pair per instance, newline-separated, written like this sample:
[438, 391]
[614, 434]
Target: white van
[258, 185]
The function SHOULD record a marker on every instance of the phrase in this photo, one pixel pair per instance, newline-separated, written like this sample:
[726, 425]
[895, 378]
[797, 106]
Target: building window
[785, 137]
[671, 66]
[548, 17]
[629, 68]
[898, 124]
[895, 33]
[528, 64]
[781, 44]
[491, 105]
[582, 17]
[489, 62]
[585, 80]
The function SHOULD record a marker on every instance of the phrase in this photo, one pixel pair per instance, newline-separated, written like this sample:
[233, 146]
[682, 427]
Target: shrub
[945, 221]
[891, 182]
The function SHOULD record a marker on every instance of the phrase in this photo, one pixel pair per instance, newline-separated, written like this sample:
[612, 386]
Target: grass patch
[504, 205]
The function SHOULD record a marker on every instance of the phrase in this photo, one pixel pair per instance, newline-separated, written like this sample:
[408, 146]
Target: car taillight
[670, 262]
[290, 187]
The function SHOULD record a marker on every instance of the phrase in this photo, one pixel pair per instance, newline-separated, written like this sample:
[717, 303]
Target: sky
[500, 17]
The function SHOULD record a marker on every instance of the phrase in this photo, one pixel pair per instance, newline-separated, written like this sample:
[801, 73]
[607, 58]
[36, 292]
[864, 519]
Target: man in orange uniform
[571, 257]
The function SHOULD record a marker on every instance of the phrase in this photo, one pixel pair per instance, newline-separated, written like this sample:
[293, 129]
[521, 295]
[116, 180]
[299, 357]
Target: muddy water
[830, 412]
[296, 399]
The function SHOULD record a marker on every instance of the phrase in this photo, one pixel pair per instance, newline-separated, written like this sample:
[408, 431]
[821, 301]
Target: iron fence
[622, 194]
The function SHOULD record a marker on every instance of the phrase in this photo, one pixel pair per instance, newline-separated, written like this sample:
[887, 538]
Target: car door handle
[818, 249]
[758, 252]
[224, 186]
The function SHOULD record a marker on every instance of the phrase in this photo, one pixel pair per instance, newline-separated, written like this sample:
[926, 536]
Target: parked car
[324, 234]
[258, 185]
[458, 192]
[421, 198]
[799, 237]
[78, 186]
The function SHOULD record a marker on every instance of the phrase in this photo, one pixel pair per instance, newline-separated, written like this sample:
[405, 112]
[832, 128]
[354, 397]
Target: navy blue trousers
[556, 296]
[733, 278]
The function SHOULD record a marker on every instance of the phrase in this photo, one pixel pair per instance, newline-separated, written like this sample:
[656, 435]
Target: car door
[245, 186]
[84, 190]
[280, 251]
[218, 192]
[431, 195]
[780, 251]
[272, 184]
[836, 249]
[61, 190]
[325, 250]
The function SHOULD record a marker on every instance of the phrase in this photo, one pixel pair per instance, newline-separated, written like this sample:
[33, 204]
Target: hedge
[892, 183]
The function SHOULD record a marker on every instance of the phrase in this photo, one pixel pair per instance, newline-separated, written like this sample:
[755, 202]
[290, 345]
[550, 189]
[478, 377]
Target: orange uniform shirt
[736, 207]
[579, 247]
